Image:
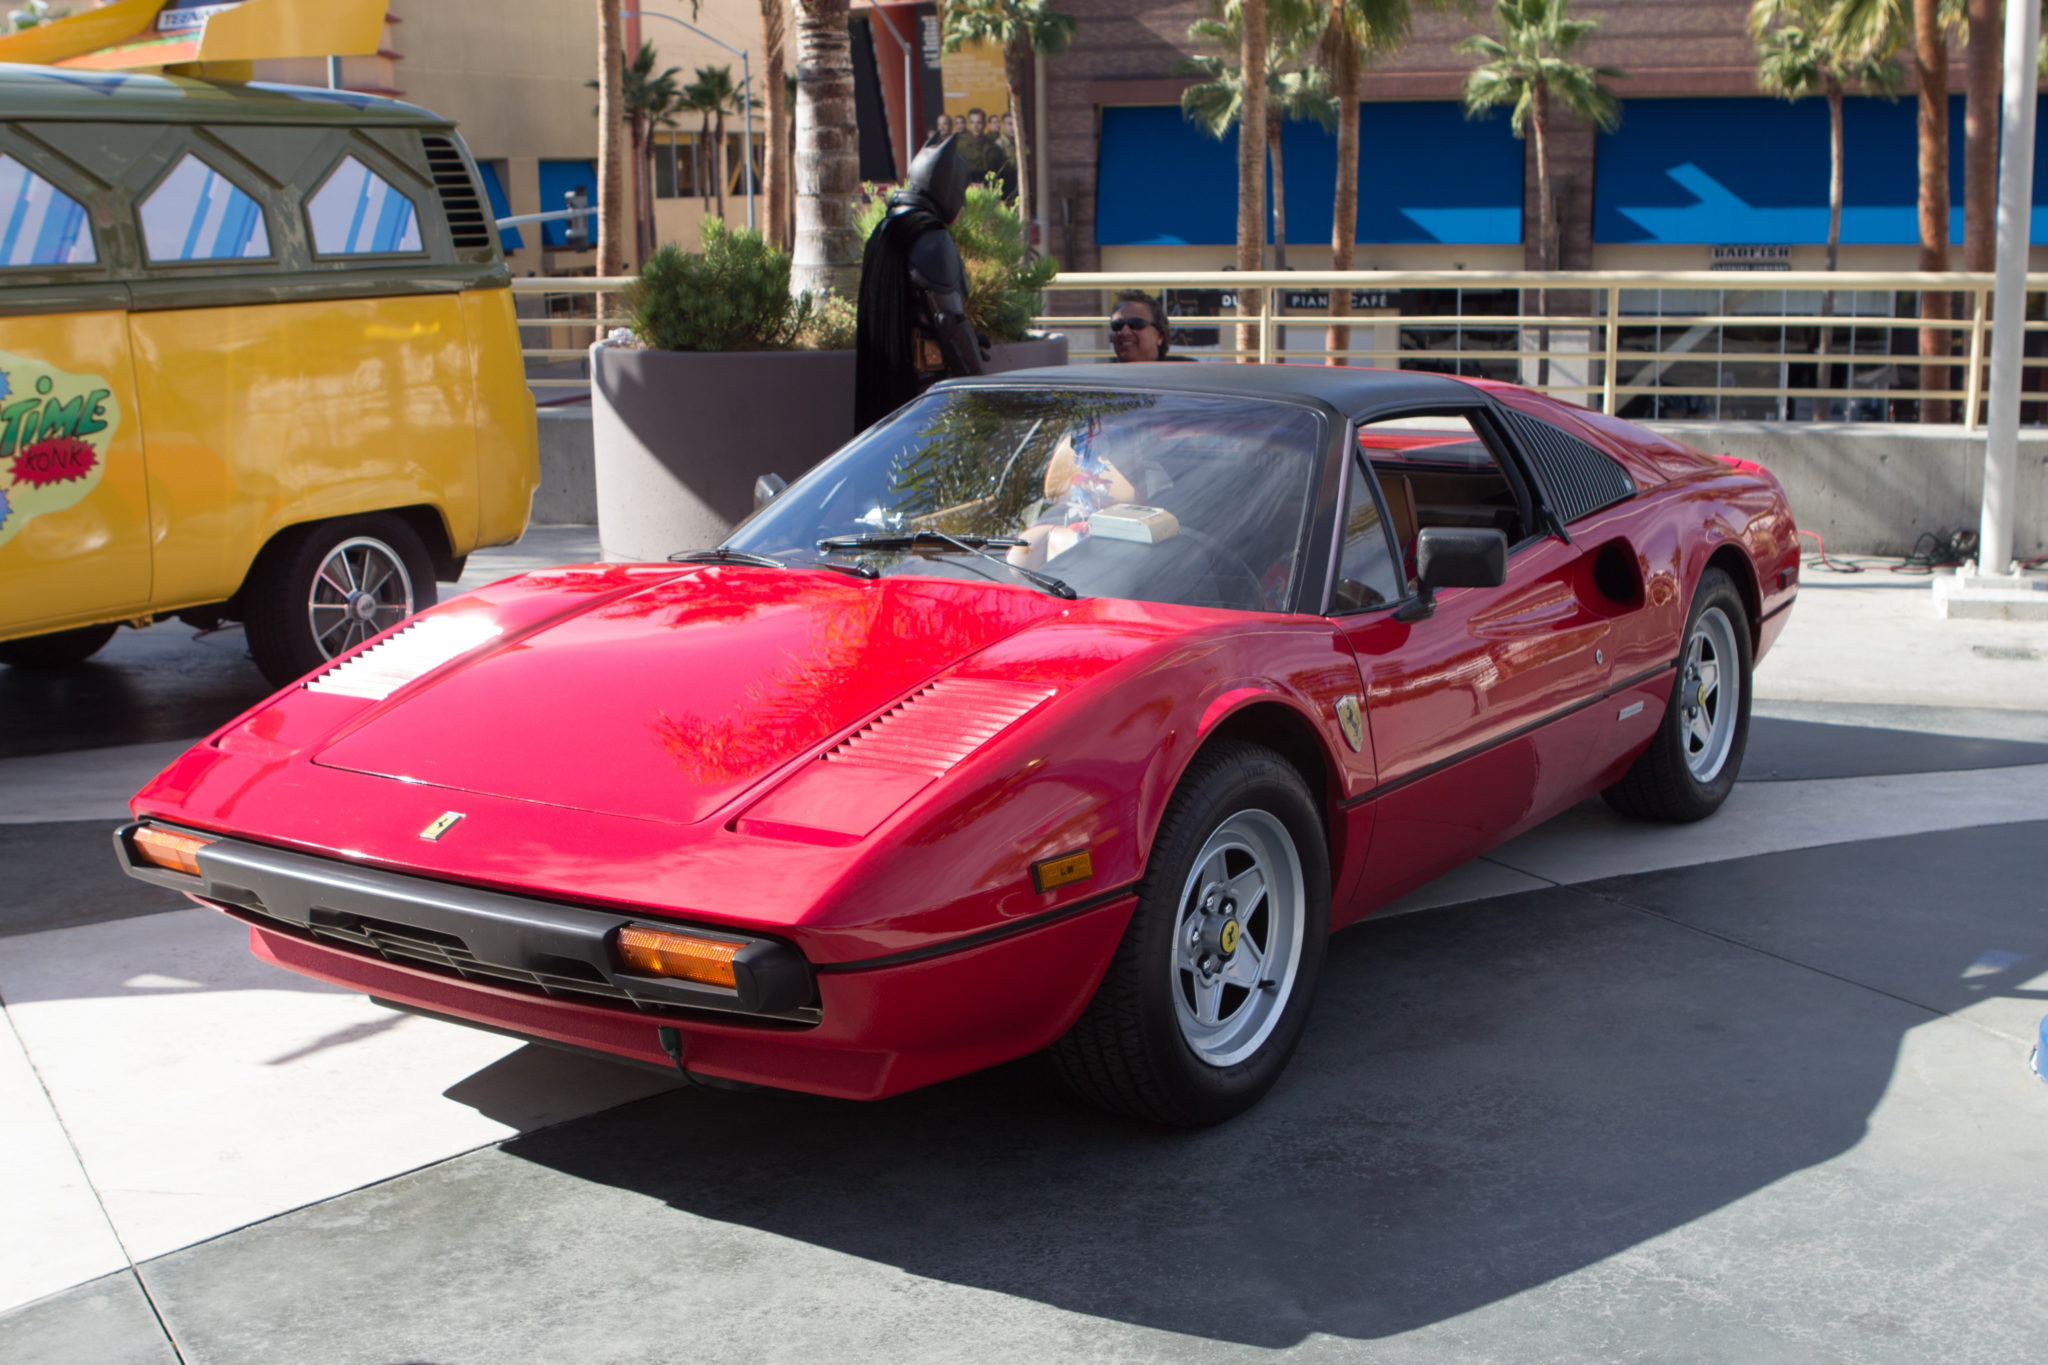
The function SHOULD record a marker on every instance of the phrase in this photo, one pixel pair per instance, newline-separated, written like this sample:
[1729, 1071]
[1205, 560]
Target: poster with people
[978, 113]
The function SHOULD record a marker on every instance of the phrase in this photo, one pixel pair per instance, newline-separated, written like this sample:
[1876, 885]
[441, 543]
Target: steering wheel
[1233, 566]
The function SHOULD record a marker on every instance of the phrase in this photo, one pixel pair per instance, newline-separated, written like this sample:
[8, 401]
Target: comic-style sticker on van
[54, 432]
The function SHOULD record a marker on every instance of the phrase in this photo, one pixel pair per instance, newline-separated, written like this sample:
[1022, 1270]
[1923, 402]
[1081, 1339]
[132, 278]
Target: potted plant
[1004, 279]
[728, 377]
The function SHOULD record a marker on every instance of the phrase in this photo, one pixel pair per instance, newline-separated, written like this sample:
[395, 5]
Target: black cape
[885, 373]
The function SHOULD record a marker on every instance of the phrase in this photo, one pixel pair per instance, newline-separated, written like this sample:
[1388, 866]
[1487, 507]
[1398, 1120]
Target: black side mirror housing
[768, 488]
[1455, 557]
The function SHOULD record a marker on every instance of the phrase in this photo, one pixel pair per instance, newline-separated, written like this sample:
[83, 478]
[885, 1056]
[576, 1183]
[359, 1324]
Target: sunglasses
[1118, 324]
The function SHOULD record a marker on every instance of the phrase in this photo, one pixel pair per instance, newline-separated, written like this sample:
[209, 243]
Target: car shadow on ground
[1489, 1097]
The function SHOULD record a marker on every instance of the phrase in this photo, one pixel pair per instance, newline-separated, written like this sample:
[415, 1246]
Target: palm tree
[1353, 32]
[611, 180]
[1881, 28]
[774, 182]
[713, 96]
[1530, 67]
[827, 254]
[650, 102]
[1796, 58]
[1295, 91]
[1251, 164]
[1022, 29]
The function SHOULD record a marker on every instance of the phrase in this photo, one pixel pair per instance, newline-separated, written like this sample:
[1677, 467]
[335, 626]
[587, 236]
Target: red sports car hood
[669, 702]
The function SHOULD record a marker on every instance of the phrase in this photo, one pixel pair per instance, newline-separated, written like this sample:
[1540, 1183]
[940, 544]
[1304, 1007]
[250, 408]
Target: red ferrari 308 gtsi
[1068, 709]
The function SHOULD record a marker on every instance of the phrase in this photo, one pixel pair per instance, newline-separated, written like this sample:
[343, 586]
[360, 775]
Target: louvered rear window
[1577, 479]
[467, 220]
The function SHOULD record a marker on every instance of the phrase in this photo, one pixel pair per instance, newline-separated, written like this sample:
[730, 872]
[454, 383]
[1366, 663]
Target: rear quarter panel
[261, 416]
[507, 439]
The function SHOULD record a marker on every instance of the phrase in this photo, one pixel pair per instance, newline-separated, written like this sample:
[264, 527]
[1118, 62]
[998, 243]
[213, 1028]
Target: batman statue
[912, 324]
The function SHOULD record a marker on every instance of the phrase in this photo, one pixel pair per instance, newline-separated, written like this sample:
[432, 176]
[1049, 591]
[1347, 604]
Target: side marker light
[169, 850]
[656, 952]
[1064, 870]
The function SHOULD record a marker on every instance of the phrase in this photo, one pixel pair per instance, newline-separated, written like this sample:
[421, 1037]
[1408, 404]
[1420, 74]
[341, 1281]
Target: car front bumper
[546, 970]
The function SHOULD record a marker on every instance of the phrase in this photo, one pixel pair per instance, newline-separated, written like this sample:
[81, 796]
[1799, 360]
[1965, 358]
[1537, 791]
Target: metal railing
[1732, 345]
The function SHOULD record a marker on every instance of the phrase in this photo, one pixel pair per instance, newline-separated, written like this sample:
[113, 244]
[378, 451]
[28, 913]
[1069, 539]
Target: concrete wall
[1873, 488]
[568, 471]
[1864, 489]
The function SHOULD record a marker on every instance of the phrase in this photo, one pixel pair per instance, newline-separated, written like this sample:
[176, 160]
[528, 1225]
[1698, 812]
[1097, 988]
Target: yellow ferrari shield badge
[1227, 940]
[443, 822]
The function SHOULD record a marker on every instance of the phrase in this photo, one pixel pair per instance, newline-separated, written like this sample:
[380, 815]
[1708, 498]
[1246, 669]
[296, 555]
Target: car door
[1469, 702]
[74, 512]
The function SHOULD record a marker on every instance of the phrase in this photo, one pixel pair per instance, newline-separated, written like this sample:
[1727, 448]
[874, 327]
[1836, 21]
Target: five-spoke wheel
[1692, 761]
[1210, 988]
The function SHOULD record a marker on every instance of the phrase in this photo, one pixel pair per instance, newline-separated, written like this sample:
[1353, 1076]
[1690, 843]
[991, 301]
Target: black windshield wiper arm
[859, 568]
[974, 545]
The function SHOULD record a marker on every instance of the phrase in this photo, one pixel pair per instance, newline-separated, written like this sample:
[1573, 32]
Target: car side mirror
[768, 488]
[1455, 557]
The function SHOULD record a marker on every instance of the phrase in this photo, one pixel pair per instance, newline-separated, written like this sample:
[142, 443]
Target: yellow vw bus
[257, 362]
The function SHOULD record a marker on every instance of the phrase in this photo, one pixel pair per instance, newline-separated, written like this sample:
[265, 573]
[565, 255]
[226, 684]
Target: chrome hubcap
[1709, 694]
[361, 589]
[1237, 938]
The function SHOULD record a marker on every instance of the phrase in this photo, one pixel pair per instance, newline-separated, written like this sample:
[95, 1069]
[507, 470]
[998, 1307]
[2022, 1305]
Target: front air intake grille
[467, 222]
[932, 730]
[1577, 479]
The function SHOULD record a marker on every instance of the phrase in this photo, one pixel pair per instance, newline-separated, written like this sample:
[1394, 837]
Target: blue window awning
[557, 178]
[508, 238]
[1425, 174]
[1696, 172]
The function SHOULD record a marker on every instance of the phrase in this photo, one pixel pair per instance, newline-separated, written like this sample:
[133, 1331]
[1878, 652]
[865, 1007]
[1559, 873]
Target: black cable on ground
[1931, 552]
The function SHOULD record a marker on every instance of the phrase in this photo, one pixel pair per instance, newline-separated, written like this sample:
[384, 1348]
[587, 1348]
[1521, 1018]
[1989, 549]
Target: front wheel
[1691, 764]
[320, 590]
[1210, 988]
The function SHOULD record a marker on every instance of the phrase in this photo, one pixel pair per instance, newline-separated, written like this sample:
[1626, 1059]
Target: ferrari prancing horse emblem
[443, 822]
[1351, 720]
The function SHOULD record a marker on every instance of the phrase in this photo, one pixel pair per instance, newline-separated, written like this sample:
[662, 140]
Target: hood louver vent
[466, 220]
[1577, 479]
[408, 653]
[933, 729]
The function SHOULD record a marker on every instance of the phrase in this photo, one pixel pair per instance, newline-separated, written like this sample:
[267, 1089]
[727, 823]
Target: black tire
[1673, 780]
[279, 601]
[1130, 1051]
[59, 649]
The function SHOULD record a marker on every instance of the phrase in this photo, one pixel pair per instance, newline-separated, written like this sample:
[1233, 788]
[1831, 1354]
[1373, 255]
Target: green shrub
[1003, 279]
[831, 325]
[732, 296]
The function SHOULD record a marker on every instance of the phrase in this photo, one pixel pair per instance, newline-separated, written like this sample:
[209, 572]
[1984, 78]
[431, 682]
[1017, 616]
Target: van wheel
[59, 649]
[320, 590]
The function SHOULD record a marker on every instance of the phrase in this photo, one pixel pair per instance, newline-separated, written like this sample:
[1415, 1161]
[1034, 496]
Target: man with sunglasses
[1137, 330]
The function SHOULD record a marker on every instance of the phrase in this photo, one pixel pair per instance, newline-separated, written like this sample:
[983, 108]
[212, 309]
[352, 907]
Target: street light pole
[746, 93]
[2009, 315]
[909, 124]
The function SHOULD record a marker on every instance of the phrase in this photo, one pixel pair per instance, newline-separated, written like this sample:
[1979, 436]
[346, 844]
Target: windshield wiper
[721, 555]
[974, 545]
[859, 568]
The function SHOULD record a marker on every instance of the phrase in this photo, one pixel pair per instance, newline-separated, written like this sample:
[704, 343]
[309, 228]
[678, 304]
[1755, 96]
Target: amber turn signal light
[169, 850]
[1061, 871]
[657, 952]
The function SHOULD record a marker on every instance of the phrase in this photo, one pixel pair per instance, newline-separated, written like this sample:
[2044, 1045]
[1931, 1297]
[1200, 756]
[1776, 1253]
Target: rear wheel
[320, 590]
[1691, 764]
[1210, 989]
[59, 649]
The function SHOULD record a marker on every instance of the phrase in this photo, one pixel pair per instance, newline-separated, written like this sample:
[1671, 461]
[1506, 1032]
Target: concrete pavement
[1753, 1090]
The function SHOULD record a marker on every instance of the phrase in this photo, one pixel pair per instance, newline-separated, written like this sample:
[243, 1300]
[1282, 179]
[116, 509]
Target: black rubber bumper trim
[1433, 769]
[976, 940]
[550, 942]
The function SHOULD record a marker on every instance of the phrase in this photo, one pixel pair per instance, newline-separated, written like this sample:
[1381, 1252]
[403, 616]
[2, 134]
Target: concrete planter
[680, 436]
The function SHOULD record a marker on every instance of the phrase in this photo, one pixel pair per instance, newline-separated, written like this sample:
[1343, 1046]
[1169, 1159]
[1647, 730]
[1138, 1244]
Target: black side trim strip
[1782, 606]
[976, 940]
[1433, 769]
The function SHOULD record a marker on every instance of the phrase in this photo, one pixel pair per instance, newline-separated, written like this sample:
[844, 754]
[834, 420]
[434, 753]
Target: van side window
[357, 213]
[197, 214]
[39, 223]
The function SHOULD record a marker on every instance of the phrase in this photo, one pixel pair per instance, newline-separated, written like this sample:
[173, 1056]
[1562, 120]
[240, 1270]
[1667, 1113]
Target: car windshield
[1157, 497]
